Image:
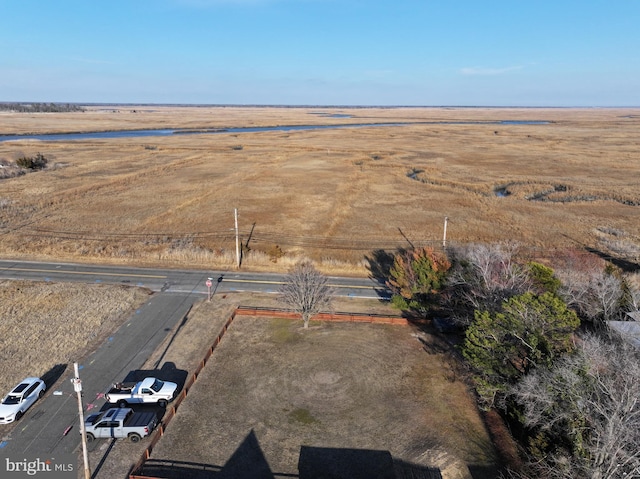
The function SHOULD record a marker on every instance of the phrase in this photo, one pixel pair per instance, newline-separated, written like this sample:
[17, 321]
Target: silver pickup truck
[120, 423]
[147, 391]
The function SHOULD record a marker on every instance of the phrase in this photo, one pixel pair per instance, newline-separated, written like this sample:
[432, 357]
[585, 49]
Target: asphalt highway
[177, 281]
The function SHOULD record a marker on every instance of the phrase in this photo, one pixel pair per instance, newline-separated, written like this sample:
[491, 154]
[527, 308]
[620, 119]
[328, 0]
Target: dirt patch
[272, 387]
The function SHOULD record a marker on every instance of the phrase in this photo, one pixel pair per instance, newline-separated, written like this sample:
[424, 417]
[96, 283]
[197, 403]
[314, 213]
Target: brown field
[47, 324]
[359, 386]
[333, 195]
[335, 385]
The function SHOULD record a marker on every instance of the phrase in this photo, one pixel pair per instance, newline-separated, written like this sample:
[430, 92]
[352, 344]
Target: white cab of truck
[147, 391]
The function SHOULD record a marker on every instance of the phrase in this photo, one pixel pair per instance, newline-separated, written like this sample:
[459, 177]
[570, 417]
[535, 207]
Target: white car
[20, 399]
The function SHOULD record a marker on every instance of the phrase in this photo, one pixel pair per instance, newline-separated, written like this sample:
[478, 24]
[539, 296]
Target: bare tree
[589, 403]
[483, 276]
[634, 297]
[306, 291]
[596, 295]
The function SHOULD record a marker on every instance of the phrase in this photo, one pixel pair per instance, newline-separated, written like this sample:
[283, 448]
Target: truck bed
[140, 419]
[121, 388]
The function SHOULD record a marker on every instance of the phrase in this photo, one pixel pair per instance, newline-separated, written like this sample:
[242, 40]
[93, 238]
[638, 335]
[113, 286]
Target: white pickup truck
[120, 422]
[147, 391]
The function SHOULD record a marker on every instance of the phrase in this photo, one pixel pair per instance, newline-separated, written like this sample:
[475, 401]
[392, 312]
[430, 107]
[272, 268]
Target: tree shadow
[379, 264]
[625, 265]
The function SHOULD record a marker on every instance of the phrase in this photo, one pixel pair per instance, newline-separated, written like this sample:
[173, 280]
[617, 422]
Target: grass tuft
[302, 416]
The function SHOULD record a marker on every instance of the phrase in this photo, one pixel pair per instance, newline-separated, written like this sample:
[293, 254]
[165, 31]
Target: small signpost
[209, 283]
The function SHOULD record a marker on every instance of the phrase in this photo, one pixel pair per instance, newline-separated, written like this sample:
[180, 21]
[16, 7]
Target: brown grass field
[359, 386]
[332, 195]
[335, 385]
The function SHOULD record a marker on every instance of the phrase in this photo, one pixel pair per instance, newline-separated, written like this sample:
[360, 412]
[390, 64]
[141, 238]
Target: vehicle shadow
[168, 372]
[53, 374]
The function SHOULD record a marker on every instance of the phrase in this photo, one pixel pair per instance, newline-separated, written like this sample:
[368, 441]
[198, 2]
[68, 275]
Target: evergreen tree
[530, 331]
[415, 277]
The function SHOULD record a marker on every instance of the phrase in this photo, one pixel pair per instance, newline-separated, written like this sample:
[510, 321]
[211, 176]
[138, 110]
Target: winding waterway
[96, 135]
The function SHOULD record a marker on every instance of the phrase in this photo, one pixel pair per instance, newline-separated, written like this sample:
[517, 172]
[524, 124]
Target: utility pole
[77, 387]
[237, 239]
[444, 237]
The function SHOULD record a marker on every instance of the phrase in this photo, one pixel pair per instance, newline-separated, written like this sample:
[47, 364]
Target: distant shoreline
[241, 105]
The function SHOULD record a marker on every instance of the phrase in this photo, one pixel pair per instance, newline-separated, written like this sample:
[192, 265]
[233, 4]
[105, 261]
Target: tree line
[539, 350]
[41, 107]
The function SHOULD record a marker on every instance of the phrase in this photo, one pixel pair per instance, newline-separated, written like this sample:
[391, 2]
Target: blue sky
[322, 52]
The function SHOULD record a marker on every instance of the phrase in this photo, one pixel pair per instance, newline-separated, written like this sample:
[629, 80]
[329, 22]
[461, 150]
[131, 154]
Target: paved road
[42, 429]
[176, 281]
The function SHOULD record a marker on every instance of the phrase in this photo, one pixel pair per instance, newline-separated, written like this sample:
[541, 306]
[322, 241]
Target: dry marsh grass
[333, 195]
[48, 324]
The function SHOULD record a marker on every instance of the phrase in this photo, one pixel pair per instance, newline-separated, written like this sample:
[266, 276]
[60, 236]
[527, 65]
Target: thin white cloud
[488, 71]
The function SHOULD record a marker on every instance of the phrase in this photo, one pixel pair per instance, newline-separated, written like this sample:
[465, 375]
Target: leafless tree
[306, 291]
[634, 298]
[596, 295]
[484, 275]
[591, 401]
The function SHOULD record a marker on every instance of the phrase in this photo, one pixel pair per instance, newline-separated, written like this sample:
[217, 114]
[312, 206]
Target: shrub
[275, 253]
[37, 162]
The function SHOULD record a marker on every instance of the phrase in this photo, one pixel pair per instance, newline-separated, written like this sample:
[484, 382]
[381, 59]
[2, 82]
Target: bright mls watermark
[60, 466]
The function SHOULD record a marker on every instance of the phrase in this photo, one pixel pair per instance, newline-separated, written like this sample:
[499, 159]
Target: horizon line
[310, 105]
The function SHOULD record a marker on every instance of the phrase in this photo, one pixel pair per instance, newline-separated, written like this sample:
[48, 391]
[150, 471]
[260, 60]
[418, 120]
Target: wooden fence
[136, 471]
